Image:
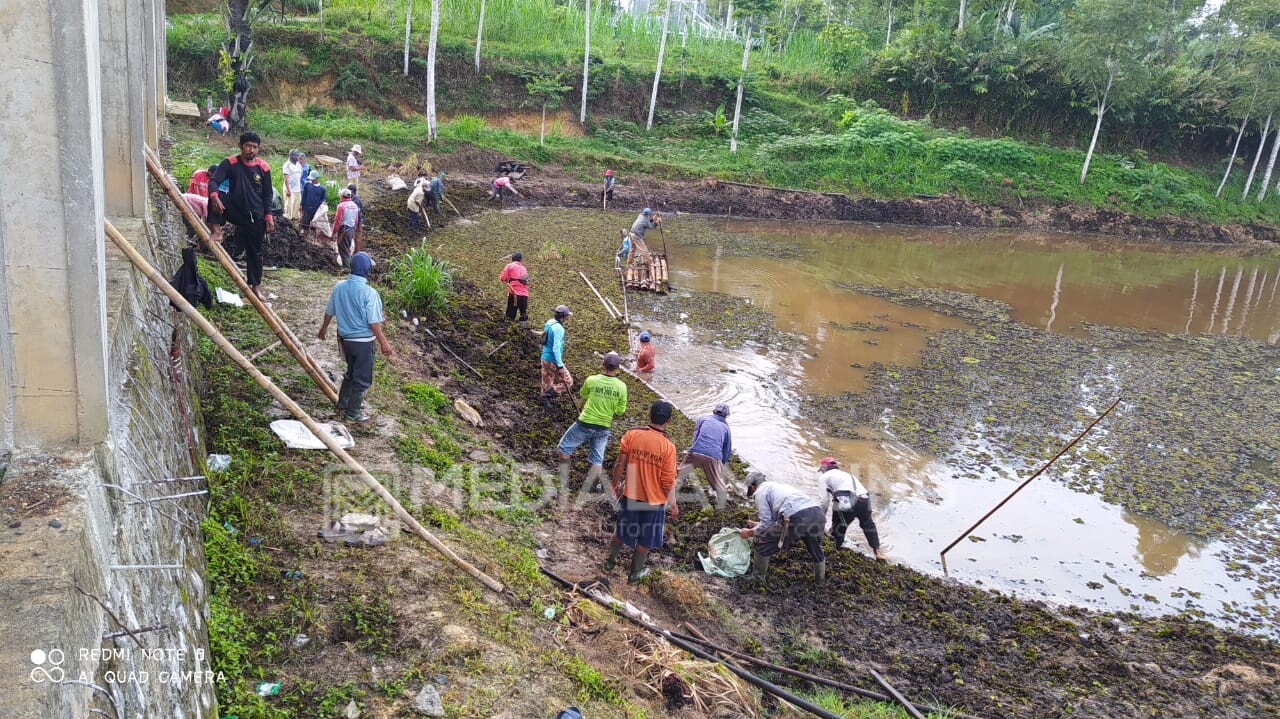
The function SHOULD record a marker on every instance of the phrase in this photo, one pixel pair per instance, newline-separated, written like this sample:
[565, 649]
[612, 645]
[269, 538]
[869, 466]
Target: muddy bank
[1193, 443]
[552, 186]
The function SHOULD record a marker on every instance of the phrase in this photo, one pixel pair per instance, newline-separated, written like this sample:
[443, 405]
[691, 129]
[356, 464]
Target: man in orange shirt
[644, 358]
[644, 478]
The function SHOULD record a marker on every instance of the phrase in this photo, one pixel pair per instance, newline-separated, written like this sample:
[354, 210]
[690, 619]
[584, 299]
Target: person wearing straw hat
[849, 500]
[358, 309]
[354, 165]
[787, 514]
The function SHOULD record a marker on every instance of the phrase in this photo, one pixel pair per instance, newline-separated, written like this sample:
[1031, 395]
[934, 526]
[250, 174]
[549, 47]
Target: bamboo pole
[281, 330]
[287, 402]
[626, 312]
[598, 296]
[897, 697]
[264, 350]
[1038, 472]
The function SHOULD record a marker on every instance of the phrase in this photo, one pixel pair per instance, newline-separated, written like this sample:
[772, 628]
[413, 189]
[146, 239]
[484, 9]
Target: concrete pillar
[52, 284]
[124, 108]
[152, 38]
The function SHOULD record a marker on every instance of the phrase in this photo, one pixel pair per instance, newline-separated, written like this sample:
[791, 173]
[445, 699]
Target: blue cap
[361, 263]
[313, 175]
[646, 211]
[644, 336]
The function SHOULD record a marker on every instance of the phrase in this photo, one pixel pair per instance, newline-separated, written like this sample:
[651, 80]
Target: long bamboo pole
[1038, 472]
[281, 330]
[287, 402]
[598, 296]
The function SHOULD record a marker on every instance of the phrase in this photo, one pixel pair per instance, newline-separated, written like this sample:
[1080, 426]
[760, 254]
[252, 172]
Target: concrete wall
[102, 598]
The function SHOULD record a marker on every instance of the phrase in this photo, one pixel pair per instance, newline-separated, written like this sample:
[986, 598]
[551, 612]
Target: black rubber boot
[759, 568]
[638, 570]
[820, 573]
[612, 561]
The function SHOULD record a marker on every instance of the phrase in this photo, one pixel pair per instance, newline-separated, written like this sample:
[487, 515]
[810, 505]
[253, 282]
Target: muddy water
[1050, 542]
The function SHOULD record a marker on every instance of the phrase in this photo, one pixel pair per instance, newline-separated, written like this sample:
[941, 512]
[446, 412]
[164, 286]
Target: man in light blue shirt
[556, 379]
[358, 309]
[786, 514]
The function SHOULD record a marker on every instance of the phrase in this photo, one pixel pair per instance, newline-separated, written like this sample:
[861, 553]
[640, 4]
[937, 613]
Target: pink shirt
[503, 181]
[199, 204]
[512, 274]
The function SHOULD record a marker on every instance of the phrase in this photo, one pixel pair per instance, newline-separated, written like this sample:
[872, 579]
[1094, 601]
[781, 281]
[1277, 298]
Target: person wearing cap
[516, 277]
[606, 398]
[849, 501]
[358, 309]
[292, 185]
[353, 164]
[501, 186]
[645, 221]
[710, 450]
[644, 476]
[607, 194]
[786, 514]
[556, 379]
[313, 196]
[240, 193]
[435, 193]
[645, 357]
[345, 221]
[416, 204]
[199, 182]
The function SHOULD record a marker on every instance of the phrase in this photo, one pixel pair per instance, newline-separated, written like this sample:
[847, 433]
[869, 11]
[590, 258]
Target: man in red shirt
[644, 358]
[516, 278]
[644, 478]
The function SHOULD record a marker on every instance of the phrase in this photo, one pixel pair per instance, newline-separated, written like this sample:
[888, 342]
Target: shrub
[426, 397]
[420, 282]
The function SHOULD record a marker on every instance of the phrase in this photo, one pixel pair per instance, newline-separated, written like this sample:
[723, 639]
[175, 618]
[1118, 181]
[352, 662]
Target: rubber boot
[612, 561]
[759, 568]
[546, 398]
[820, 573]
[638, 570]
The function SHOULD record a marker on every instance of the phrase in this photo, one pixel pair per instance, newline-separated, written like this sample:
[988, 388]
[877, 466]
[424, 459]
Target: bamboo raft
[650, 277]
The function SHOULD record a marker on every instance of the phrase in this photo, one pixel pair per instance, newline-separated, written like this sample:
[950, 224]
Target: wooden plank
[329, 160]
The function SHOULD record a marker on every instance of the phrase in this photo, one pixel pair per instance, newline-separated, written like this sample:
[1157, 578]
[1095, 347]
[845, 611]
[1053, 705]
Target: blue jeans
[579, 433]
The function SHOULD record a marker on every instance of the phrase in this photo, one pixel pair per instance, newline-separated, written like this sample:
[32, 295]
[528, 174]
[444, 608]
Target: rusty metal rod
[915, 713]
[1027, 481]
[823, 681]
[696, 651]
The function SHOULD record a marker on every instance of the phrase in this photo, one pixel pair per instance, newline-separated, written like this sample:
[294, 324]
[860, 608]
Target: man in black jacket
[240, 193]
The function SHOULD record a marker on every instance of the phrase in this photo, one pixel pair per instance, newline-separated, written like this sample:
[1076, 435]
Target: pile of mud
[285, 247]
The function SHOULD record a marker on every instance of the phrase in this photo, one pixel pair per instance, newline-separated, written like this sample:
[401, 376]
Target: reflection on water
[1049, 542]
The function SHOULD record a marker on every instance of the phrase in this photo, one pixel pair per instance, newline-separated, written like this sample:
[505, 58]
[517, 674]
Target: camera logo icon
[48, 666]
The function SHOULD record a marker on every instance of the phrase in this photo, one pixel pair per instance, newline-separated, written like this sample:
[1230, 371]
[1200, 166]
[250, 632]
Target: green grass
[839, 705]
[419, 282]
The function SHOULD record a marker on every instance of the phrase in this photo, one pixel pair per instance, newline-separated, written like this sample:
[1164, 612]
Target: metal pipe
[1037, 473]
[693, 649]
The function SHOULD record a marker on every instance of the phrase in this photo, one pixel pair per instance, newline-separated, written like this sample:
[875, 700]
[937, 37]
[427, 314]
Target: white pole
[657, 76]
[586, 63]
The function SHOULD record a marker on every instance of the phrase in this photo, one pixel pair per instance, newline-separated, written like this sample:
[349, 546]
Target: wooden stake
[264, 350]
[287, 402]
[281, 330]
[455, 355]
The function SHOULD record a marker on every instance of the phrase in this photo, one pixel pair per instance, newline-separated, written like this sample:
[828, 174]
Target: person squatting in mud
[240, 192]
[786, 514]
[555, 377]
[516, 277]
[849, 500]
[605, 398]
[644, 477]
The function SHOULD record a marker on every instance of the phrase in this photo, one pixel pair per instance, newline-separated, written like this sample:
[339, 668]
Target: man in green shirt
[606, 397]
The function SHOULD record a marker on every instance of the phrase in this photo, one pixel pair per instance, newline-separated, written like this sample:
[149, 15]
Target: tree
[1106, 55]
[548, 90]
[479, 35]
[1253, 169]
[238, 57]
[751, 8]
[657, 75]
[431, 70]
[586, 61]
[408, 27]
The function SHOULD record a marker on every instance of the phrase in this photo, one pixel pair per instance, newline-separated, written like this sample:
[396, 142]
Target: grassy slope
[788, 136]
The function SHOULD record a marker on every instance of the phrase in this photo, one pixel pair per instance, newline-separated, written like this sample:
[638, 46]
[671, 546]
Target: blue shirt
[356, 305]
[313, 196]
[553, 343]
[711, 437]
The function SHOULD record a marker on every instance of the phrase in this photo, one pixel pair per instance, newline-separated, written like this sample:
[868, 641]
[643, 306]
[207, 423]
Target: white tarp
[228, 298]
[296, 435]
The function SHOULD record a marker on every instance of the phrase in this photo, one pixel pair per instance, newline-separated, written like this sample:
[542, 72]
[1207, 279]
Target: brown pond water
[1050, 542]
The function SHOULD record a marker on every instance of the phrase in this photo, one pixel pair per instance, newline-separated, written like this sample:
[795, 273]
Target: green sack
[730, 554]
